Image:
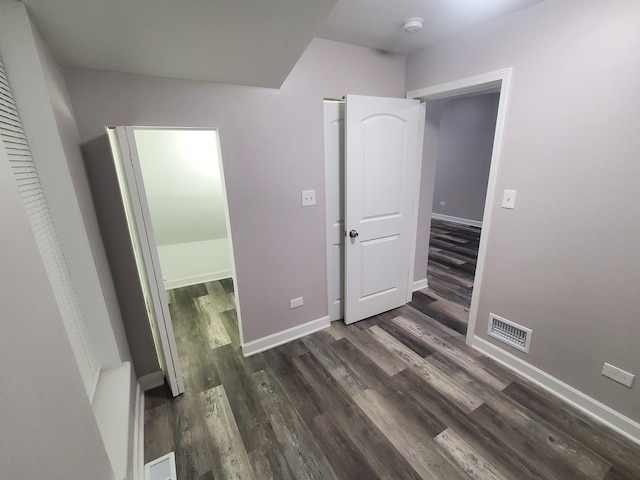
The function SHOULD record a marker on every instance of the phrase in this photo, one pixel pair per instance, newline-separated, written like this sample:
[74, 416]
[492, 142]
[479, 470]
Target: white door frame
[333, 171]
[500, 79]
[142, 220]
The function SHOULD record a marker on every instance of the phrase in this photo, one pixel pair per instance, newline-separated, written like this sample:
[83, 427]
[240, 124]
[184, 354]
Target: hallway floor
[453, 254]
[397, 396]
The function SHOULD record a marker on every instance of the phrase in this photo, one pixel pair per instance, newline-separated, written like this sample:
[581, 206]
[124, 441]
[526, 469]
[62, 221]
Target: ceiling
[378, 23]
[245, 42]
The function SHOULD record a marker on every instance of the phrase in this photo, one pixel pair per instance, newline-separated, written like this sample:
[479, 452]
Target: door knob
[353, 234]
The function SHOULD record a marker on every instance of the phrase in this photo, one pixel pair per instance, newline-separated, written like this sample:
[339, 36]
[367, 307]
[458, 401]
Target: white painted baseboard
[196, 279]
[420, 284]
[615, 420]
[275, 339]
[151, 380]
[462, 221]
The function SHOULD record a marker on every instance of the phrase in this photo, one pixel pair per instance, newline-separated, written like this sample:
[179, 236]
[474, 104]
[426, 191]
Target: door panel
[382, 143]
[382, 136]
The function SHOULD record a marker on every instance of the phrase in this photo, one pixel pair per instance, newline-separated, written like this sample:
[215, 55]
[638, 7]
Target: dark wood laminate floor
[397, 396]
[453, 254]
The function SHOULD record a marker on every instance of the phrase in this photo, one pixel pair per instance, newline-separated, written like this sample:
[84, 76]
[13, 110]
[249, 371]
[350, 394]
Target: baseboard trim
[138, 436]
[420, 284]
[196, 279]
[151, 380]
[592, 407]
[462, 221]
[275, 339]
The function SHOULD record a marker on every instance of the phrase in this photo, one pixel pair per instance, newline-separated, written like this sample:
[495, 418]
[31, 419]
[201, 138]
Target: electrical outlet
[308, 198]
[296, 302]
[618, 375]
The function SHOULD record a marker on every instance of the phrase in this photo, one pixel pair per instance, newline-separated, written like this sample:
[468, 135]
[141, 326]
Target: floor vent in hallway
[510, 333]
[163, 468]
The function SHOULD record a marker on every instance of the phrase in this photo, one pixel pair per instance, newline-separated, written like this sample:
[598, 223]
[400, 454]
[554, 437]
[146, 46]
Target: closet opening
[175, 198]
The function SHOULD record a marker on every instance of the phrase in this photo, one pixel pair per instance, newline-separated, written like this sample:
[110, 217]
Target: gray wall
[117, 241]
[566, 261]
[427, 176]
[467, 126]
[48, 428]
[272, 148]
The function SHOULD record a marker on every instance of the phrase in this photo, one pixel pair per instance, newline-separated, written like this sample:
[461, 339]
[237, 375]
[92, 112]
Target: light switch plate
[509, 199]
[308, 198]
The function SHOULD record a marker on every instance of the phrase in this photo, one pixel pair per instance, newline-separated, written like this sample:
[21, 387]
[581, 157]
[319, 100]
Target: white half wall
[195, 262]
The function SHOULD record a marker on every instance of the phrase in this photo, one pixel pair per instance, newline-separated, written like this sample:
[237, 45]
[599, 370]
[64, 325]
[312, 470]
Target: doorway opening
[489, 92]
[464, 127]
[179, 223]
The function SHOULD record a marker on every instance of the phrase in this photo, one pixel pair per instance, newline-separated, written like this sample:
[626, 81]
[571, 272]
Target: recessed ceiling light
[412, 24]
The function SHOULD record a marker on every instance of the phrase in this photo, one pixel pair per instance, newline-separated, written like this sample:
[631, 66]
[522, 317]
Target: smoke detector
[412, 24]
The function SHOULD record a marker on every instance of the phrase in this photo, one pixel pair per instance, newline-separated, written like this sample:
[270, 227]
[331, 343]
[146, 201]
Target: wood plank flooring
[453, 254]
[397, 396]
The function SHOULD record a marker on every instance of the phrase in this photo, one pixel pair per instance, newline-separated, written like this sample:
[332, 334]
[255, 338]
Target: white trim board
[293, 333]
[461, 221]
[138, 436]
[419, 284]
[599, 411]
[151, 380]
[416, 201]
[196, 279]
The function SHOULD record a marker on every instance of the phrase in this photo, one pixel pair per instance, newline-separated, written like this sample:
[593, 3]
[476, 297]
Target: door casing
[499, 80]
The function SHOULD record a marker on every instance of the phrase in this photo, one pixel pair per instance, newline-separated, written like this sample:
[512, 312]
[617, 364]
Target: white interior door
[334, 188]
[139, 219]
[382, 150]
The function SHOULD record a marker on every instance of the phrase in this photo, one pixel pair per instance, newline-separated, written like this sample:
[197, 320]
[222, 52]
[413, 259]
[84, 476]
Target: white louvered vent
[26, 176]
[510, 333]
[163, 468]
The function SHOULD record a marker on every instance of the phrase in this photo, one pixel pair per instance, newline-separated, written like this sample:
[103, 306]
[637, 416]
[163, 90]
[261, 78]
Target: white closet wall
[183, 184]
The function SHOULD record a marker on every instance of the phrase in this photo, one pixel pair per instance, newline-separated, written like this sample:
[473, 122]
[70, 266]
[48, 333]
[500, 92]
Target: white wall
[566, 261]
[272, 148]
[48, 429]
[196, 262]
[183, 185]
